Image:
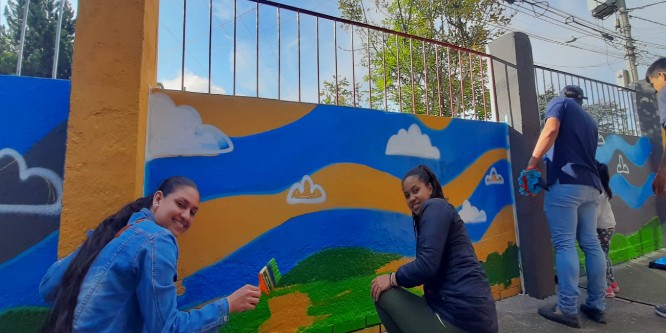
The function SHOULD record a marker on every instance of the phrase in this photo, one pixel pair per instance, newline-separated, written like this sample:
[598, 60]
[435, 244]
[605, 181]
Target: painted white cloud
[494, 178]
[600, 140]
[412, 143]
[193, 82]
[621, 166]
[178, 131]
[24, 173]
[306, 191]
[471, 214]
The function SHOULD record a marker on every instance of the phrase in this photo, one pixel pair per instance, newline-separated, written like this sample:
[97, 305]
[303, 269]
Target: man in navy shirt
[656, 75]
[569, 141]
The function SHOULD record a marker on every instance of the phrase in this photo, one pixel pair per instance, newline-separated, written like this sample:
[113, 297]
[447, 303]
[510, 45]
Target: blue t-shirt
[571, 159]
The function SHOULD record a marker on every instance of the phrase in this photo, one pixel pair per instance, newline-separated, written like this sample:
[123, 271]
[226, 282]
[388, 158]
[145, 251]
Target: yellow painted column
[115, 65]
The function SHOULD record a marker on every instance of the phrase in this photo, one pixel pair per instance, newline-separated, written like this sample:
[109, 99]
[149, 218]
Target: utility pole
[625, 29]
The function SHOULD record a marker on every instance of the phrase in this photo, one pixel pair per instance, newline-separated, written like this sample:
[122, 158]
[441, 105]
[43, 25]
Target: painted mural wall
[32, 152]
[317, 188]
[634, 204]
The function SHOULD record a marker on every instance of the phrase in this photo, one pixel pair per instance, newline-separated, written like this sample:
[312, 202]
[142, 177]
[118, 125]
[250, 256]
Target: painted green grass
[626, 247]
[25, 319]
[337, 281]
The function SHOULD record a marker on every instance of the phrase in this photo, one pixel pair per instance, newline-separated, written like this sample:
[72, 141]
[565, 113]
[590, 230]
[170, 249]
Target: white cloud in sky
[471, 214]
[412, 143]
[177, 130]
[306, 191]
[51, 178]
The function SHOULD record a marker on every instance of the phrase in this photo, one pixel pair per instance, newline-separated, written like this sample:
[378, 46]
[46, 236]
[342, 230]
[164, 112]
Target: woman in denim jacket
[122, 278]
[457, 295]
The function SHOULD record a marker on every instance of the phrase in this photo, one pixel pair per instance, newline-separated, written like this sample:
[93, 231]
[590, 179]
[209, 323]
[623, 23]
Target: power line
[646, 20]
[648, 5]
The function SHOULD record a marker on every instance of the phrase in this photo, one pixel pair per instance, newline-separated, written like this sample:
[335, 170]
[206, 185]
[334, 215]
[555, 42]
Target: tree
[400, 65]
[39, 46]
[345, 96]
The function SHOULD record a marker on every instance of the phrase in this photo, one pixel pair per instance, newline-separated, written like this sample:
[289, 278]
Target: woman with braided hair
[457, 295]
[121, 279]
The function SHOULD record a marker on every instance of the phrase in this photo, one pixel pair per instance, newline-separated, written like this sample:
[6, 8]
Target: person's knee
[564, 242]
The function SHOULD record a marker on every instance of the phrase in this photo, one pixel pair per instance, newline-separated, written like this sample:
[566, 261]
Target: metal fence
[612, 106]
[270, 50]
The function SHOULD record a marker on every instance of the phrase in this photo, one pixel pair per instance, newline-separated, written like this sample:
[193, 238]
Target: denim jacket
[130, 285]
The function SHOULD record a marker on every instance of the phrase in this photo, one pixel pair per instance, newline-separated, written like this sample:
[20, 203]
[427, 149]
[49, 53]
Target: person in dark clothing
[457, 295]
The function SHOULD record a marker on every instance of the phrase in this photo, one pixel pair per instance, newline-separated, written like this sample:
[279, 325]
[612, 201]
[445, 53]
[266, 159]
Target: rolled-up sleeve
[156, 292]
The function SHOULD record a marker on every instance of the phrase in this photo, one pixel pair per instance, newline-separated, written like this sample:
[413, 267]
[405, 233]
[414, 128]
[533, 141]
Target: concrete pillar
[115, 64]
[648, 121]
[517, 105]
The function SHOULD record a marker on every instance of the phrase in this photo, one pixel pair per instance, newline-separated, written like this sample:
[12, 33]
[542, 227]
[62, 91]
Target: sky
[602, 63]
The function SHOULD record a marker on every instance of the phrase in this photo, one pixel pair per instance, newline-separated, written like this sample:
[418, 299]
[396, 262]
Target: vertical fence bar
[483, 88]
[351, 36]
[448, 59]
[439, 81]
[369, 69]
[24, 25]
[384, 65]
[182, 63]
[411, 70]
[425, 75]
[472, 77]
[397, 61]
[210, 44]
[279, 59]
[335, 54]
[298, 27]
[257, 25]
[462, 85]
[56, 49]
[235, 38]
[318, 78]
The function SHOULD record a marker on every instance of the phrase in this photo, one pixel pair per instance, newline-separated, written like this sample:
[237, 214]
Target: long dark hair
[424, 174]
[605, 179]
[61, 317]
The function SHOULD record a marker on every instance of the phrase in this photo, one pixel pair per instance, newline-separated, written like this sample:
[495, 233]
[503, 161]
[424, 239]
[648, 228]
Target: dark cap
[573, 91]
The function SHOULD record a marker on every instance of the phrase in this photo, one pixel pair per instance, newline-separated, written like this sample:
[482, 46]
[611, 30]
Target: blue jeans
[571, 211]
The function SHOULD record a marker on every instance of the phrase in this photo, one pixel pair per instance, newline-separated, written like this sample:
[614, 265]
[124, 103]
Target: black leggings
[404, 312]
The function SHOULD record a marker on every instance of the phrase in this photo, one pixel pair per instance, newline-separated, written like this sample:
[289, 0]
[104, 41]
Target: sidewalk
[631, 311]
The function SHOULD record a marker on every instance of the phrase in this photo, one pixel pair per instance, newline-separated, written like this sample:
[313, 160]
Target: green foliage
[502, 268]
[337, 264]
[39, 47]
[23, 319]
[338, 288]
[405, 74]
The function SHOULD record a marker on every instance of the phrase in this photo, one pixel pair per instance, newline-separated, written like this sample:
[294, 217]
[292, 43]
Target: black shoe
[551, 312]
[594, 314]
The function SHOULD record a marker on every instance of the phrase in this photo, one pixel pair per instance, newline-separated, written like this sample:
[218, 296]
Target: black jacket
[454, 283]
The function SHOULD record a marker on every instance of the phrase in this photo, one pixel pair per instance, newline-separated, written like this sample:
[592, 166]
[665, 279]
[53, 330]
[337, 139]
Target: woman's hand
[243, 299]
[379, 285]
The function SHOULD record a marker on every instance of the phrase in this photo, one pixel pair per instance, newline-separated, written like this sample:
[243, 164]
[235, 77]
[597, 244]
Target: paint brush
[269, 277]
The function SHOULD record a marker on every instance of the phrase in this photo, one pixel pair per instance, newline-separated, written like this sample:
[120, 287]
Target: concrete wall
[318, 188]
[315, 187]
